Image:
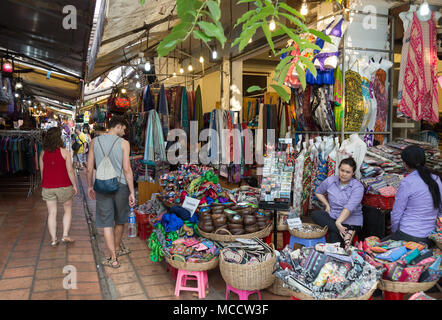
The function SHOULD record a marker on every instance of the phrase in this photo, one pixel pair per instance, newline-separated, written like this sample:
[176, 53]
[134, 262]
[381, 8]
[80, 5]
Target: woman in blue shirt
[343, 209]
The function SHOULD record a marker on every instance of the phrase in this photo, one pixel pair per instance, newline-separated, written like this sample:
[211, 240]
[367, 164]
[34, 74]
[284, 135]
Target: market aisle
[29, 267]
[139, 278]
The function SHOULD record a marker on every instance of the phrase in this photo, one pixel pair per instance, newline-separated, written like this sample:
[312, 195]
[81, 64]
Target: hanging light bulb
[138, 85]
[147, 66]
[181, 70]
[174, 74]
[137, 76]
[272, 25]
[304, 8]
[190, 68]
[201, 59]
[123, 91]
[16, 95]
[214, 54]
[424, 9]
[19, 85]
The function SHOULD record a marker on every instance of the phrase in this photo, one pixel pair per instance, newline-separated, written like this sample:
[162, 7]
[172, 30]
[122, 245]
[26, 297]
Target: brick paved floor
[32, 270]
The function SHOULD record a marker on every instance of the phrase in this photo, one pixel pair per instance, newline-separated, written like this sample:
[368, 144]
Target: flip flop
[53, 244]
[108, 262]
[66, 241]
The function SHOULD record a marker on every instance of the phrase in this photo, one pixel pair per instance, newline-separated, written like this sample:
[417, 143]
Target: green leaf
[320, 34]
[291, 10]
[289, 49]
[283, 62]
[246, 35]
[142, 2]
[265, 28]
[213, 30]
[303, 44]
[283, 73]
[262, 15]
[254, 88]
[296, 21]
[244, 17]
[281, 91]
[245, 1]
[289, 32]
[197, 34]
[301, 75]
[214, 9]
[309, 65]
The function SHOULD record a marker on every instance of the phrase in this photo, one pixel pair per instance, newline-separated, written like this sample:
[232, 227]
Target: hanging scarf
[163, 111]
[184, 111]
[154, 149]
[198, 114]
[148, 103]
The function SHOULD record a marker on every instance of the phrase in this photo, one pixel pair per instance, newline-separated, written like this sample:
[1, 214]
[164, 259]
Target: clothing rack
[11, 184]
[390, 73]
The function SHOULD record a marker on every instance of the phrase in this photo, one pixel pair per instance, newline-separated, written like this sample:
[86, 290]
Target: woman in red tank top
[58, 182]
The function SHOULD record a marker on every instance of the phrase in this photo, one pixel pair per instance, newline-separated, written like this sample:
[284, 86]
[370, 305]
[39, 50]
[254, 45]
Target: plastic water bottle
[132, 227]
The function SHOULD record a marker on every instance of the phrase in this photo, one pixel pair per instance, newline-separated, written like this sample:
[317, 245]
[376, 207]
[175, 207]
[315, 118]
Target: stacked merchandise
[247, 251]
[169, 226]
[436, 235]
[198, 182]
[327, 271]
[403, 261]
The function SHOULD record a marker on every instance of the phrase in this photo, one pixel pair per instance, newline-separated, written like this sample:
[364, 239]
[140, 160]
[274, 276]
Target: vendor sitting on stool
[343, 210]
[418, 200]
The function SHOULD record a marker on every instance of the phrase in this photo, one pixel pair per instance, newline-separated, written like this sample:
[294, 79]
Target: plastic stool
[243, 294]
[393, 295]
[201, 278]
[144, 231]
[305, 242]
[285, 239]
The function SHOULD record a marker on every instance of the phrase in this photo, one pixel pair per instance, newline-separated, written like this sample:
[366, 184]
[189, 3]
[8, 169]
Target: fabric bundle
[154, 148]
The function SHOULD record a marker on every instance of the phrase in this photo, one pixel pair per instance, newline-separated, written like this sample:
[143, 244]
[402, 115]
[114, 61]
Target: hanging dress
[419, 99]
[184, 111]
[354, 102]
[297, 182]
[381, 95]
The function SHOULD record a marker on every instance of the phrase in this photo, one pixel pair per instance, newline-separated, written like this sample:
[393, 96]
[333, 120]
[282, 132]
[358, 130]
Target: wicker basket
[309, 235]
[303, 296]
[192, 266]
[277, 289]
[231, 238]
[405, 287]
[248, 277]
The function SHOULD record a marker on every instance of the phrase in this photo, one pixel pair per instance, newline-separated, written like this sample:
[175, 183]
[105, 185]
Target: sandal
[109, 262]
[54, 243]
[123, 250]
[68, 240]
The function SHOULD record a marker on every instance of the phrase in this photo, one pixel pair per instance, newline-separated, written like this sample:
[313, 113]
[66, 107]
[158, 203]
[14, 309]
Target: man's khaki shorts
[60, 194]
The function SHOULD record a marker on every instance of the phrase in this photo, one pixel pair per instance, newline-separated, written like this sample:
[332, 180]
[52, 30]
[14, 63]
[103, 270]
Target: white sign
[294, 223]
[191, 204]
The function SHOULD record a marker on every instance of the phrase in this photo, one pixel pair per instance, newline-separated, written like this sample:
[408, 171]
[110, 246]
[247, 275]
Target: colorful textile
[419, 99]
[184, 111]
[306, 182]
[297, 182]
[354, 102]
[198, 115]
[381, 95]
[163, 111]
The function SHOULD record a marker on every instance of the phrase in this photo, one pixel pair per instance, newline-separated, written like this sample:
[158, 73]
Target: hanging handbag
[118, 103]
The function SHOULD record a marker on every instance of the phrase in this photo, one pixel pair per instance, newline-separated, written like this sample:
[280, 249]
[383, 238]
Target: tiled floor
[32, 270]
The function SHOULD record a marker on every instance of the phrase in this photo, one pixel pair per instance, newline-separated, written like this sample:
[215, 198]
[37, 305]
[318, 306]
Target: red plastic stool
[242, 294]
[144, 231]
[285, 239]
[388, 295]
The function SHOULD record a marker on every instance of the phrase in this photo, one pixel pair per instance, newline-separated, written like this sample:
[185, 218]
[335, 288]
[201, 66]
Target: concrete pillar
[236, 87]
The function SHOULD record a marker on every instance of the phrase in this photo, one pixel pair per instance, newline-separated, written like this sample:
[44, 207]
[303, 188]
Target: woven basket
[405, 287]
[192, 266]
[231, 238]
[248, 277]
[309, 235]
[303, 296]
[277, 289]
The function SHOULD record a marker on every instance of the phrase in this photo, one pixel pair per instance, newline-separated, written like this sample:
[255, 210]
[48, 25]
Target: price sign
[294, 223]
[191, 204]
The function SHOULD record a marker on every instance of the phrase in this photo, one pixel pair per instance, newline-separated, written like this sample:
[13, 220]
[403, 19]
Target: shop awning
[34, 31]
[124, 34]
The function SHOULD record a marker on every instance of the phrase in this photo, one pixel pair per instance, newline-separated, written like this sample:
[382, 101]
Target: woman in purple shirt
[343, 209]
[418, 200]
